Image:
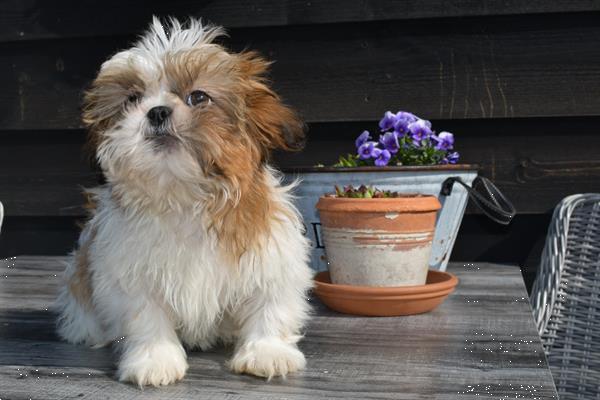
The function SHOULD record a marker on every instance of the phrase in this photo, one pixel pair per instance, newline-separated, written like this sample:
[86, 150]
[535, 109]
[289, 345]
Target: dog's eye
[134, 97]
[197, 97]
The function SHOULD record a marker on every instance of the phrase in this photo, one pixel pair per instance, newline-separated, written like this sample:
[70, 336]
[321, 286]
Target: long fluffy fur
[195, 242]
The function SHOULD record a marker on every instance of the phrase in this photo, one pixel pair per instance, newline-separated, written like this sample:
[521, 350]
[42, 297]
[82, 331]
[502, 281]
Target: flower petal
[410, 117]
[383, 158]
[453, 157]
[362, 138]
[390, 142]
[388, 121]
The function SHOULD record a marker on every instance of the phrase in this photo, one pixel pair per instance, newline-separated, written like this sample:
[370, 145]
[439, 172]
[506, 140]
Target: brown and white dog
[193, 240]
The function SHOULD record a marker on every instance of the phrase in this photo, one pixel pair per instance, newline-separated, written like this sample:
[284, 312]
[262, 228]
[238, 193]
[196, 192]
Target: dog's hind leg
[77, 321]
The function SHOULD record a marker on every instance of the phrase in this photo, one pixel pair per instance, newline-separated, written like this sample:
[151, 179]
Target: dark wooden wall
[517, 81]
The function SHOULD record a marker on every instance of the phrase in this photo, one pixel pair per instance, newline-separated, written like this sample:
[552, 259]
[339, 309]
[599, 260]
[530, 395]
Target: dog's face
[177, 107]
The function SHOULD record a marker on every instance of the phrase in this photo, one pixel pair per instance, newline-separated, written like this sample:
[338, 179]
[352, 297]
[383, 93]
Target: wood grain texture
[38, 235]
[501, 67]
[536, 161]
[44, 173]
[39, 19]
[480, 342]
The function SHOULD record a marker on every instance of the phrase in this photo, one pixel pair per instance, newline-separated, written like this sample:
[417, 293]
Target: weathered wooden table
[480, 343]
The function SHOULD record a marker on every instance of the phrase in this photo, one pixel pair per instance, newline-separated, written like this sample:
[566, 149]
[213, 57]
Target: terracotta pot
[317, 181]
[378, 242]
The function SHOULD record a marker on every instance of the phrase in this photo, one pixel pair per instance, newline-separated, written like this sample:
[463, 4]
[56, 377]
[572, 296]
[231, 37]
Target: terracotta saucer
[385, 301]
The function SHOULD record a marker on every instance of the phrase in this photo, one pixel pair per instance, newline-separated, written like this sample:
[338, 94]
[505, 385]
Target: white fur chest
[171, 259]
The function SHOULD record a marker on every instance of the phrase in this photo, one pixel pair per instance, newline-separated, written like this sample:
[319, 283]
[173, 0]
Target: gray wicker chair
[566, 297]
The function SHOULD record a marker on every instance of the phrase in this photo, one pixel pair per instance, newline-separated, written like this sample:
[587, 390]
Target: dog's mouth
[162, 138]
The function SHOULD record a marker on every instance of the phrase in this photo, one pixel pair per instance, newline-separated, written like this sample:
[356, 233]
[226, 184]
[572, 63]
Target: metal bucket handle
[489, 200]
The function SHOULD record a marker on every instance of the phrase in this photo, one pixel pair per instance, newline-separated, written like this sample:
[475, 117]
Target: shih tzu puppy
[193, 240]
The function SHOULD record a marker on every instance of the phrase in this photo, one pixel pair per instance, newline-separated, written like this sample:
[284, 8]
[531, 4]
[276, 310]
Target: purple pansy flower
[403, 134]
[389, 140]
[401, 126]
[444, 141]
[453, 157]
[362, 138]
[388, 121]
[383, 158]
[368, 150]
[403, 120]
[420, 130]
[406, 115]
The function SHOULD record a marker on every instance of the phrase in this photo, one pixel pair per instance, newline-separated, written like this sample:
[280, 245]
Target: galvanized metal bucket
[314, 182]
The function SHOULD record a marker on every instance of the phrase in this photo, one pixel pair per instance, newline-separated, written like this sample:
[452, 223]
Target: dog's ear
[102, 104]
[93, 120]
[274, 124]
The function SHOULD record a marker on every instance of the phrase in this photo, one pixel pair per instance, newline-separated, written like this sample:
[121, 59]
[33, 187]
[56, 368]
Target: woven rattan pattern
[566, 297]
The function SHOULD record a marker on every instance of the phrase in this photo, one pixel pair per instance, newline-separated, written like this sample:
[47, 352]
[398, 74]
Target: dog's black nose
[158, 115]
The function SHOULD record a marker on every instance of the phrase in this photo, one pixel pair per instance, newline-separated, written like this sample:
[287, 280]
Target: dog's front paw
[154, 364]
[267, 357]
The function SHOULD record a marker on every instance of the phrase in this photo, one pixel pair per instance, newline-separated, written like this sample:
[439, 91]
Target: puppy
[193, 240]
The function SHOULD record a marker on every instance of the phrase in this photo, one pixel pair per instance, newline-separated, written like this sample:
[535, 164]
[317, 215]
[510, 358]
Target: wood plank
[536, 162]
[32, 20]
[43, 173]
[502, 67]
[38, 235]
[480, 342]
